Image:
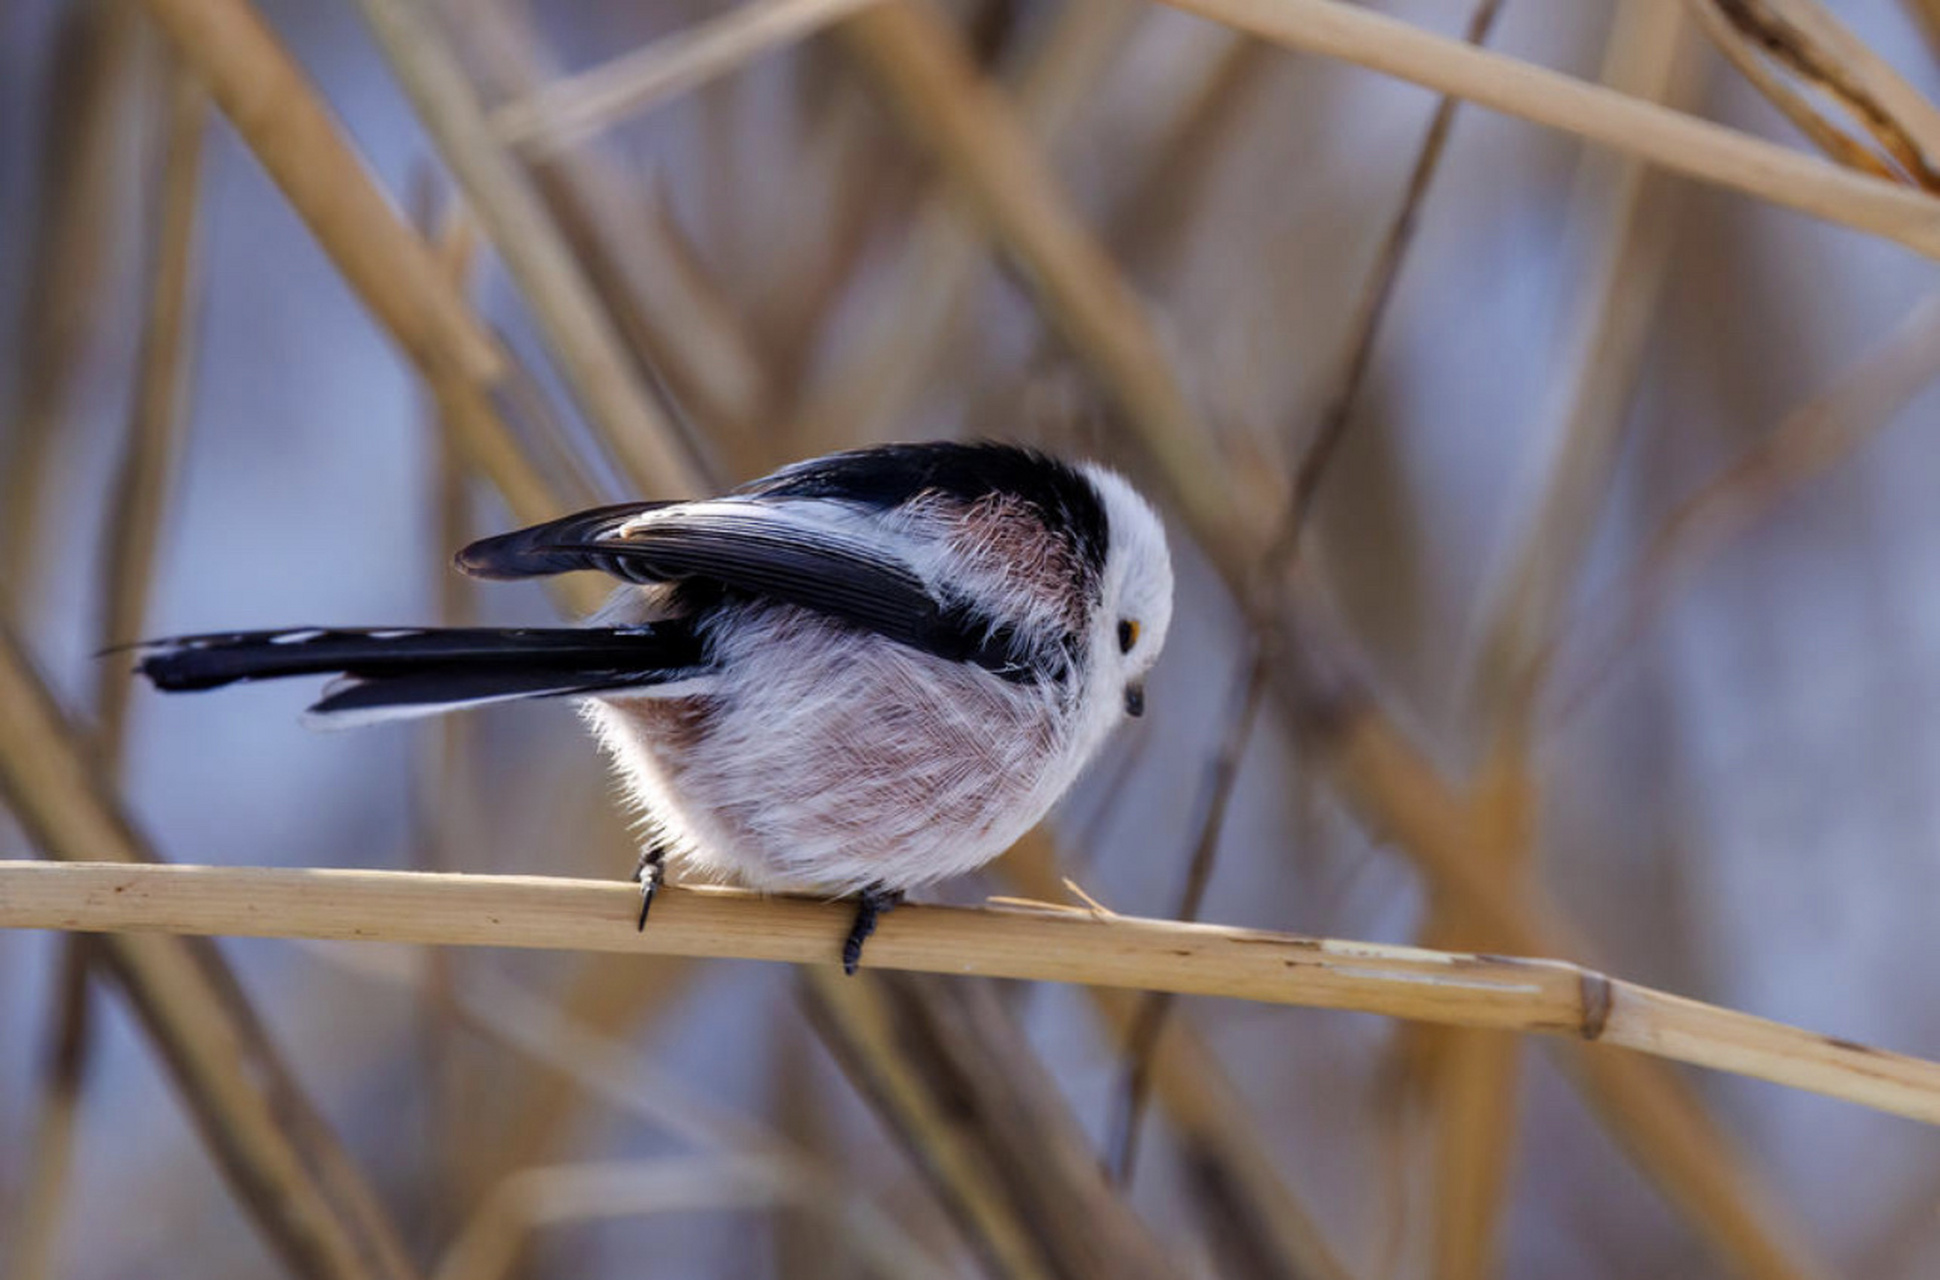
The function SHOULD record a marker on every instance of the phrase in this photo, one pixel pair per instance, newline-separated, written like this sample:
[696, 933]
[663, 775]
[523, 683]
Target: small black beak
[1134, 699]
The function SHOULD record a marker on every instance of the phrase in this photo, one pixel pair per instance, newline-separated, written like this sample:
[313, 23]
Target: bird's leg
[649, 873]
[871, 905]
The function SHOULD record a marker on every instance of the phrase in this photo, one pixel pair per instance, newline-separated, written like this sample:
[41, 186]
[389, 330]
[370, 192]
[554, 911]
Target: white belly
[860, 761]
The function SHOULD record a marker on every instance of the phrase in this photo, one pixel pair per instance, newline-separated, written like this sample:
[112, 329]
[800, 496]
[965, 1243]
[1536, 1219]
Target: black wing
[790, 551]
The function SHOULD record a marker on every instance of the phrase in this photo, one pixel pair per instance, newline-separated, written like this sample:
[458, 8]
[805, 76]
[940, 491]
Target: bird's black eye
[1127, 635]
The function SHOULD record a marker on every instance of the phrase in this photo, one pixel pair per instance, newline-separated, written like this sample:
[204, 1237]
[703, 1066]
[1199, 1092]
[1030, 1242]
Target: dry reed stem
[920, 61]
[1813, 439]
[1629, 229]
[670, 315]
[1807, 40]
[280, 1158]
[134, 517]
[884, 371]
[950, 1070]
[157, 416]
[1549, 997]
[1222, 773]
[1205, 1110]
[584, 345]
[41, 1200]
[570, 110]
[1652, 1113]
[600, 1068]
[1676, 141]
[1371, 305]
[285, 124]
[1620, 207]
[1747, 53]
[70, 252]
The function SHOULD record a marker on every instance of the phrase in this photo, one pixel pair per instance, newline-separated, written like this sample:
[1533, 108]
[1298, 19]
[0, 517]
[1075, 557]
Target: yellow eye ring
[1127, 635]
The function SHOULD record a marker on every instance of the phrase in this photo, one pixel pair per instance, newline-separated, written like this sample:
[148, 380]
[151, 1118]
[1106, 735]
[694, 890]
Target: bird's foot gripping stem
[650, 874]
[871, 905]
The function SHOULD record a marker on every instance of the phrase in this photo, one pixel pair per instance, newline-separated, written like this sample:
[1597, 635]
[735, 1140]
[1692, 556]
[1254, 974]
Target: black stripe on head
[891, 475]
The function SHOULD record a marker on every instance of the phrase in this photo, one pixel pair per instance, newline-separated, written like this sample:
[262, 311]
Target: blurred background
[1537, 514]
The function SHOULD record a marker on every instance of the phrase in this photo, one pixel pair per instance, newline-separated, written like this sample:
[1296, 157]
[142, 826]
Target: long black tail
[393, 673]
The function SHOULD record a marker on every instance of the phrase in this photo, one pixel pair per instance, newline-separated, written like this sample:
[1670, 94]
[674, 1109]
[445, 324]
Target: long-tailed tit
[863, 673]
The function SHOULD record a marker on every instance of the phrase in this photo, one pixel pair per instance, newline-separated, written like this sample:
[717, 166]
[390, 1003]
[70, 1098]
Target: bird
[857, 676]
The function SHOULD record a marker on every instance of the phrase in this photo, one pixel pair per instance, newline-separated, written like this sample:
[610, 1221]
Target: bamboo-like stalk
[279, 1156]
[579, 333]
[1548, 997]
[1676, 141]
[569, 110]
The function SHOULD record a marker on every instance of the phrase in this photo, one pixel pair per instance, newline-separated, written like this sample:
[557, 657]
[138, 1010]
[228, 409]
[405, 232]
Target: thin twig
[1549, 997]
[1323, 442]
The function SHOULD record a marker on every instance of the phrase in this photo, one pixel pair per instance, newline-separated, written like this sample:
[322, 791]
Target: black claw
[649, 873]
[871, 905]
